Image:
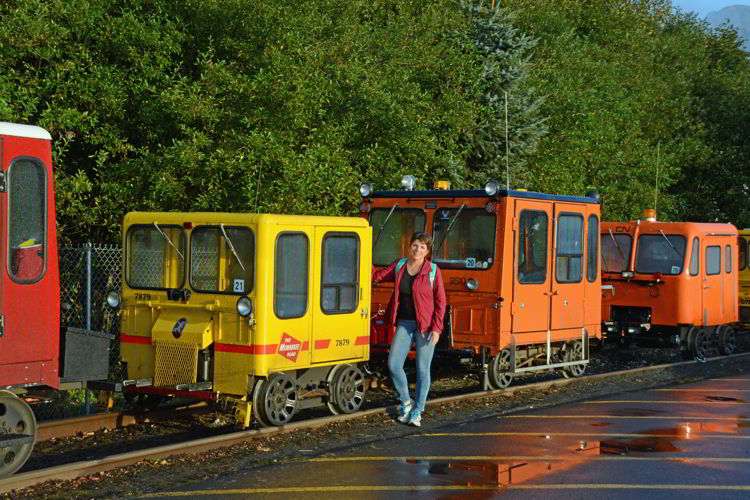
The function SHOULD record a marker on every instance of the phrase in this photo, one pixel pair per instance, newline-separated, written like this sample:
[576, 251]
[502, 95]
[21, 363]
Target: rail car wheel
[279, 399]
[727, 340]
[346, 387]
[258, 404]
[573, 352]
[700, 343]
[142, 401]
[16, 418]
[500, 377]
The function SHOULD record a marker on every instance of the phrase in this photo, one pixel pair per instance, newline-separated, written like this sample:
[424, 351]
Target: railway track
[83, 468]
[55, 429]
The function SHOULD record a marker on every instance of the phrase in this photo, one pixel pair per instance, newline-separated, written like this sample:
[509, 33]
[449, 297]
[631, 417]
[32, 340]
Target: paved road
[686, 440]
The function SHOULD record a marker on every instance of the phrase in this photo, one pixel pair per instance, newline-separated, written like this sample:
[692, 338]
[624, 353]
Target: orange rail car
[744, 274]
[670, 281]
[520, 271]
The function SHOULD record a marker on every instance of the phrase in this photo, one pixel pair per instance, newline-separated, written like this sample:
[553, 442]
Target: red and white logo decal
[289, 347]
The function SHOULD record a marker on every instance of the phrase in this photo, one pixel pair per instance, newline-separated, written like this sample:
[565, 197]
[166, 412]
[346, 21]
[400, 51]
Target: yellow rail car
[743, 240]
[268, 312]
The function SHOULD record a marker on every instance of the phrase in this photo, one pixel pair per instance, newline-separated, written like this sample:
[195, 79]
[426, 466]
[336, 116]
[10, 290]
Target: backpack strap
[433, 270]
[400, 264]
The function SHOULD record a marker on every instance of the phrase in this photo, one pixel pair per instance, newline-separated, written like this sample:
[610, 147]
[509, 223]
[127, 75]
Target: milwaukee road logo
[289, 347]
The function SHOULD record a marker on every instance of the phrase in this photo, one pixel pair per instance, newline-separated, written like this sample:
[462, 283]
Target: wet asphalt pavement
[683, 440]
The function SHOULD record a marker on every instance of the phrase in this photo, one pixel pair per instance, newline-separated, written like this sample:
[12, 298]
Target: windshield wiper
[671, 245]
[448, 229]
[169, 241]
[231, 247]
[604, 260]
[382, 226]
[617, 245]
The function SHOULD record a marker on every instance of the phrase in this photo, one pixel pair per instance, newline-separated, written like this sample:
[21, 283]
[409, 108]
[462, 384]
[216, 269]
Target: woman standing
[416, 309]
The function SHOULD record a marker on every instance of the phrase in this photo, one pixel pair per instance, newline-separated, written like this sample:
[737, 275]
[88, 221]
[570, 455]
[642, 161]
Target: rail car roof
[479, 193]
[215, 218]
[646, 225]
[18, 130]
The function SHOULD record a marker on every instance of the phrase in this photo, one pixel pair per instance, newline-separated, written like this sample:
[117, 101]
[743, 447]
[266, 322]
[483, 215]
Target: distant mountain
[736, 15]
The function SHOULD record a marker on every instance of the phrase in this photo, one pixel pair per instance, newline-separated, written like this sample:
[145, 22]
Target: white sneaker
[415, 418]
[404, 410]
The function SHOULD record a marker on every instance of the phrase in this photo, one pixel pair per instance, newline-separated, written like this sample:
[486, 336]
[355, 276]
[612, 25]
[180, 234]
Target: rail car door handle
[364, 312]
[549, 294]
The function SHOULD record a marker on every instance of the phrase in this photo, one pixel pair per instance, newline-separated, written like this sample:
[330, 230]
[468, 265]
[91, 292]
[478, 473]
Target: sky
[703, 7]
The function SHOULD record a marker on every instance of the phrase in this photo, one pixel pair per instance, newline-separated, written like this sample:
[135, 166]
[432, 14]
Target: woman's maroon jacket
[429, 301]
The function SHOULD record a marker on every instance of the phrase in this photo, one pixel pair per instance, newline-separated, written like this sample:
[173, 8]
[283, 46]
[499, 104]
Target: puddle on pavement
[562, 455]
[724, 398]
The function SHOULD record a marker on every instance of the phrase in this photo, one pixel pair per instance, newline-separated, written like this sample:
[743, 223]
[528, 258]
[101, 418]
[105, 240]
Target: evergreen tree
[504, 52]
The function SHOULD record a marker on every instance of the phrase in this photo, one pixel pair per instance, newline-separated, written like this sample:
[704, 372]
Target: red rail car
[672, 282]
[520, 271]
[34, 351]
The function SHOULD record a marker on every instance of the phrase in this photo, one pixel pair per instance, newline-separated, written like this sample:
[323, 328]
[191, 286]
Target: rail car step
[199, 386]
[7, 440]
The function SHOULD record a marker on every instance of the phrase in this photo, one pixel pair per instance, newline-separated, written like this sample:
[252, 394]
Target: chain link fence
[87, 273]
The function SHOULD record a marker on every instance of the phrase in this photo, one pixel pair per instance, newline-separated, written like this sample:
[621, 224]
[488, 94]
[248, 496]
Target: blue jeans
[406, 334]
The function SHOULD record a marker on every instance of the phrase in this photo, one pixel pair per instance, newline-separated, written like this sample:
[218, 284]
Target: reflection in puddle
[724, 398]
[505, 473]
[555, 460]
[559, 455]
[640, 445]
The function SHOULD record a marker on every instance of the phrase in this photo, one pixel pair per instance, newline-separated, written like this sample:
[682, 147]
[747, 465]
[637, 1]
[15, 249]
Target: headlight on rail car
[628, 274]
[472, 284]
[409, 182]
[491, 188]
[113, 299]
[244, 306]
[365, 190]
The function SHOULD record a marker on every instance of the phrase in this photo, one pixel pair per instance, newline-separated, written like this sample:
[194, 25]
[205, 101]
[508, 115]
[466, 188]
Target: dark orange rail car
[671, 281]
[520, 270]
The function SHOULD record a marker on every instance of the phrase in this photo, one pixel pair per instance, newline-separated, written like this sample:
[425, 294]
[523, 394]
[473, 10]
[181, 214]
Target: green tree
[504, 52]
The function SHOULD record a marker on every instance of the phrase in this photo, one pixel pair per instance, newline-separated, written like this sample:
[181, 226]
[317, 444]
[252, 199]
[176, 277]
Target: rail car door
[341, 294]
[567, 283]
[532, 281]
[30, 291]
[292, 289]
[711, 296]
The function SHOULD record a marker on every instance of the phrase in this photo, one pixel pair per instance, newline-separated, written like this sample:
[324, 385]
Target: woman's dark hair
[422, 238]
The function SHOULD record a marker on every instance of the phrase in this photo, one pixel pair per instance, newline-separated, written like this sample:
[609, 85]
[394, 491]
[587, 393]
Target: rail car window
[569, 248]
[742, 244]
[727, 259]
[713, 260]
[593, 249]
[695, 257]
[292, 256]
[222, 261]
[616, 252]
[340, 286]
[470, 243]
[155, 257]
[532, 247]
[27, 214]
[660, 253]
[393, 242]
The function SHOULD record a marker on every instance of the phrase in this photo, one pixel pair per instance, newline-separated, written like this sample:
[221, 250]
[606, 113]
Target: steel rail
[78, 469]
[91, 423]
